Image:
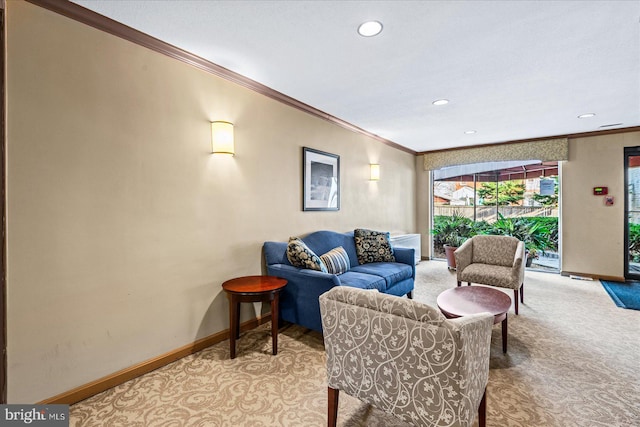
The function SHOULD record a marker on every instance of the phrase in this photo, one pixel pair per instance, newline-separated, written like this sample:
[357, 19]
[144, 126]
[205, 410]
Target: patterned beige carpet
[572, 361]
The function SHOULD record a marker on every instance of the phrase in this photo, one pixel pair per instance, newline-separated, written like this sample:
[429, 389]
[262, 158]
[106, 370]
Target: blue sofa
[299, 302]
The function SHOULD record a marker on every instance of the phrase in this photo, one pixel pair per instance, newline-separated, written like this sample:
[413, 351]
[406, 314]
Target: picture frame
[321, 180]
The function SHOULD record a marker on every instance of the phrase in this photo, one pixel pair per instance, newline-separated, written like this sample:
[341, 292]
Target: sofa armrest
[464, 256]
[519, 262]
[475, 333]
[518, 256]
[476, 329]
[275, 253]
[405, 255]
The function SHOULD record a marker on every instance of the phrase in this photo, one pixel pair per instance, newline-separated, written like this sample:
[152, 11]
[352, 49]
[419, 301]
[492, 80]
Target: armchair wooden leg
[515, 299]
[522, 293]
[459, 283]
[333, 406]
[410, 295]
[482, 410]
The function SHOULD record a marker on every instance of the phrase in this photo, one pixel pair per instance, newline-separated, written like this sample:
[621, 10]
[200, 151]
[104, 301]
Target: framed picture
[321, 180]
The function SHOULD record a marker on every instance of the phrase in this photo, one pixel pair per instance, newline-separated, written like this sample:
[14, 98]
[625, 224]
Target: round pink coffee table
[465, 300]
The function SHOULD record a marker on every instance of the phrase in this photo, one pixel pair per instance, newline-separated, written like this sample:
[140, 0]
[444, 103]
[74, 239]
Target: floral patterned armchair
[494, 261]
[405, 358]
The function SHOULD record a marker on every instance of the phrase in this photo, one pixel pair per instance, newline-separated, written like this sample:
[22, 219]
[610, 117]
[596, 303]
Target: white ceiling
[511, 69]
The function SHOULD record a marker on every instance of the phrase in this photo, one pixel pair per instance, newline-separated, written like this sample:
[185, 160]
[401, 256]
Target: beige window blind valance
[545, 151]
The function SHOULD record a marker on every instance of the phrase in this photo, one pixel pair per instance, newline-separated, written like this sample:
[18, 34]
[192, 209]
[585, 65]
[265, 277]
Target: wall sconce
[222, 138]
[375, 172]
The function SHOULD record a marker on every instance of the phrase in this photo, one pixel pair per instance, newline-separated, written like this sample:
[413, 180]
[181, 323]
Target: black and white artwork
[321, 180]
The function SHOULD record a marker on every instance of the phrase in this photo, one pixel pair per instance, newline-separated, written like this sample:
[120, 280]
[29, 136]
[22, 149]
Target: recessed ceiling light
[469, 132]
[611, 125]
[586, 115]
[370, 28]
[440, 102]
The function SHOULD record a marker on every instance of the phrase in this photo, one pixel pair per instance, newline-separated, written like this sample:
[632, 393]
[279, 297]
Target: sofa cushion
[373, 246]
[336, 260]
[299, 255]
[391, 272]
[494, 275]
[363, 281]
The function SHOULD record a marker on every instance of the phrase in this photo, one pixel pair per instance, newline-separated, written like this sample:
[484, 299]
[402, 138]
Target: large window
[512, 198]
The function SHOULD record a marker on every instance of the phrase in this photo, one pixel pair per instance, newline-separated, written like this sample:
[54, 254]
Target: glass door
[632, 213]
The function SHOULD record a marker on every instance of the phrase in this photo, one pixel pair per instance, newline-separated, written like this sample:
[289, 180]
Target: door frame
[3, 213]
[628, 152]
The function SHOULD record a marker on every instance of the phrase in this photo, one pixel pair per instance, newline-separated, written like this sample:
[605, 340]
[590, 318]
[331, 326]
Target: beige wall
[122, 226]
[592, 233]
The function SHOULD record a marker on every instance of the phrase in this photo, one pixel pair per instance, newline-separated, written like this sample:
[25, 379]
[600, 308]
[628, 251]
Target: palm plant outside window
[517, 201]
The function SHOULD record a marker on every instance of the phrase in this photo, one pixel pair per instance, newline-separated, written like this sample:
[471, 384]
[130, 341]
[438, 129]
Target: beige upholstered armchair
[405, 358]
[492, 260]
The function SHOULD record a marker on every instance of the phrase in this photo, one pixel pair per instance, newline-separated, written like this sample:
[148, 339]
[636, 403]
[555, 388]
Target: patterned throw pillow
[299, 255]
[373, 246]
[336, 260]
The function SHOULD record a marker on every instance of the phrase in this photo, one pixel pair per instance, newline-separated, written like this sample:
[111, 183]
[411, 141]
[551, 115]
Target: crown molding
[81, 14]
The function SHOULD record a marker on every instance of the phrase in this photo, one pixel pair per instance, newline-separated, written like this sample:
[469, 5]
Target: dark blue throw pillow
[299, 255]
[373, 246]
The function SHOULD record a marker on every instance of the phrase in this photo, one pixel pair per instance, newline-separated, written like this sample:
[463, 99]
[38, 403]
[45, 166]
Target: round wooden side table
[252, 289]
[465, 300]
